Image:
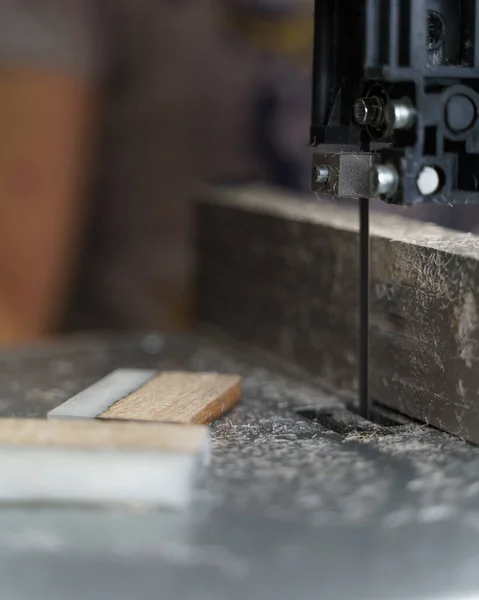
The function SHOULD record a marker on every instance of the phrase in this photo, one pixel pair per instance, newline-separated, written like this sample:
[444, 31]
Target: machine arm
[396, 100]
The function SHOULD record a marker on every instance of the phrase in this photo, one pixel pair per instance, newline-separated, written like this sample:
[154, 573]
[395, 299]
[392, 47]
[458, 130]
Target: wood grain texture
[96, 435]
[282, 273]
[179, 397]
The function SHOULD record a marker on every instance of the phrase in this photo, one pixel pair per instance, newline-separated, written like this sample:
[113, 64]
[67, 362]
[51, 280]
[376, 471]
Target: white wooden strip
[33, 475]
[96, 399]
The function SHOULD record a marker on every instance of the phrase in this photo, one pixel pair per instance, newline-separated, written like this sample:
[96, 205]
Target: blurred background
[111, 113]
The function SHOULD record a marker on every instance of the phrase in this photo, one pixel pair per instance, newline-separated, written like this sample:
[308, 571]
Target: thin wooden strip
[52, 475]
[179, 397]
[96, 435]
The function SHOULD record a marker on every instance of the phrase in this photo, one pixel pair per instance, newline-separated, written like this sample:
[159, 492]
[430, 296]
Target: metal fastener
[400, 114]
[342, 174]
[384, 180]
[321, 174]
[368, 111]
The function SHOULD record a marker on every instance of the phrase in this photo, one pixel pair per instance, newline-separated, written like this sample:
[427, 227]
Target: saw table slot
[345, 421]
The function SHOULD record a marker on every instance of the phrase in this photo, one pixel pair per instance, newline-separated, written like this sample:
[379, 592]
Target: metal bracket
[344, 174]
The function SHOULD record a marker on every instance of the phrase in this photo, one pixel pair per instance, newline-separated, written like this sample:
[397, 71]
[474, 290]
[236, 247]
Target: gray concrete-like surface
[288, 509]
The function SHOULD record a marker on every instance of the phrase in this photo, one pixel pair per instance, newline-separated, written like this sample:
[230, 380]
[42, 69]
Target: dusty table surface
[287, 510]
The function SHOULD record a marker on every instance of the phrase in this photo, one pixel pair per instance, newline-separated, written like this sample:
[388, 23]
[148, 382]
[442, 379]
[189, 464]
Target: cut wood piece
[95, 435]
[292, 288]
[179, 397]
[100, 462]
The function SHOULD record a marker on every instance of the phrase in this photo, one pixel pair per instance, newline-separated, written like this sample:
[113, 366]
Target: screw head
[360, 111]
[321, 174]
[368, 111]
[384, 180]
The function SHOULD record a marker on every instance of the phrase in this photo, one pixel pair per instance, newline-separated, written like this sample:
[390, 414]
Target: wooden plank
[180, 397]
[281, 272]
[95, 435]
[97, 462]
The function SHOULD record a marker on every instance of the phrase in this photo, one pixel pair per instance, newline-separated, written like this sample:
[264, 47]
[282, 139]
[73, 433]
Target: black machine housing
[420, 55]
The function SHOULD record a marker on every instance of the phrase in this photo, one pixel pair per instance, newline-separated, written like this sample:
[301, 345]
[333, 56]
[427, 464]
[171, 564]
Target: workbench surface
[289, 510]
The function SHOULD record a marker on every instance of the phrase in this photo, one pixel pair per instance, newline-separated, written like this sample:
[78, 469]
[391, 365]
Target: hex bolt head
[321, 174]
[400, 114]
[428, 181]
[384, 180]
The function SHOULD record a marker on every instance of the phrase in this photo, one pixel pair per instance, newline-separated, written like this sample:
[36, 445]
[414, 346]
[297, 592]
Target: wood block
[292, 289]
[92, 461]
[180, 397]
[94, 435]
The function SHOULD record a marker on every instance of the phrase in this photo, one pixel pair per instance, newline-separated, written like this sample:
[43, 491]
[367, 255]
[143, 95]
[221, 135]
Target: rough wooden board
[180, 397]
[95, 435]
[282, 273]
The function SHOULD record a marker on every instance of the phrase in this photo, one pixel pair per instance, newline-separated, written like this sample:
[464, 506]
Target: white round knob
[428, 181]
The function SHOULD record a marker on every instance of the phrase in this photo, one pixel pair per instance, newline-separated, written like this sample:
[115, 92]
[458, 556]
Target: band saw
[304, 497]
